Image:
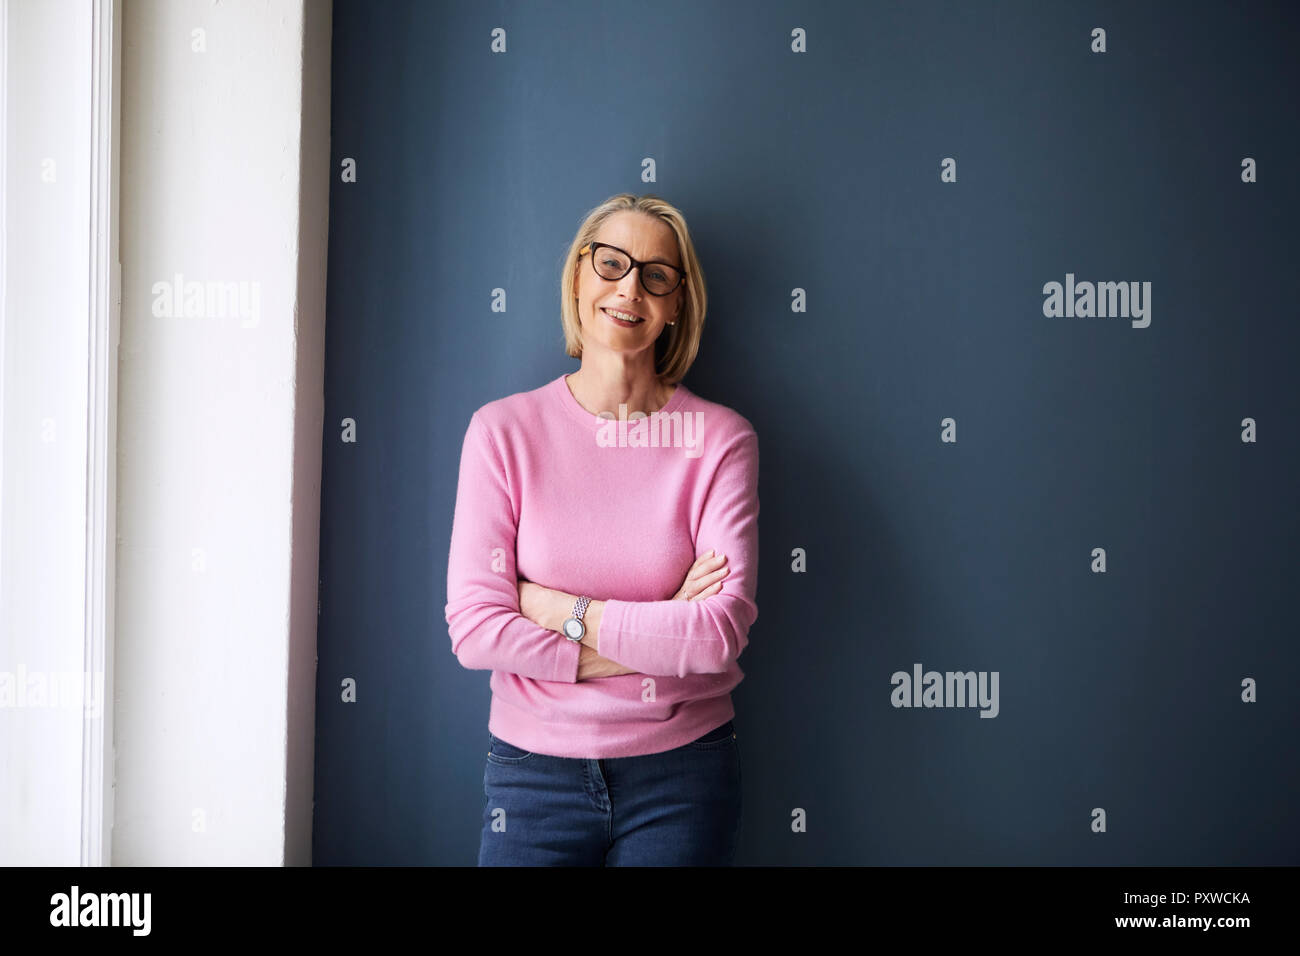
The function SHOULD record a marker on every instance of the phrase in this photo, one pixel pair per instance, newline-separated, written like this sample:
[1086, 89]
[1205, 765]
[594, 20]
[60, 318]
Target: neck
[604, 389]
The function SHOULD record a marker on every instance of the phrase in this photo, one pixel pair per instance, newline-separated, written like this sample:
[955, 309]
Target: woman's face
[644, 238]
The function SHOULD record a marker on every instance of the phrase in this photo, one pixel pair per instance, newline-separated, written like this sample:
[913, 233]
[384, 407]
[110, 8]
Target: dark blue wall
[822, 171]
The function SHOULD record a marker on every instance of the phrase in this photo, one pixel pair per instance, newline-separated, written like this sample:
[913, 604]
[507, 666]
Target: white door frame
[59, 457]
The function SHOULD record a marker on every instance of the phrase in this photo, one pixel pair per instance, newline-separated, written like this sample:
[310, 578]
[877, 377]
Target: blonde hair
[675, 349]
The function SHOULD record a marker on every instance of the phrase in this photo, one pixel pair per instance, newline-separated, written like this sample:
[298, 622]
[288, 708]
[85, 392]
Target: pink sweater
[550, 493]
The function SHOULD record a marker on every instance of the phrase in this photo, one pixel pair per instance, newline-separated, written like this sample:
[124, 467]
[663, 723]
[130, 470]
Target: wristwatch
[573, 628]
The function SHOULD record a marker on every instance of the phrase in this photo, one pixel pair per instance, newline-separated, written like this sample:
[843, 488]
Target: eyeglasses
[611, 262]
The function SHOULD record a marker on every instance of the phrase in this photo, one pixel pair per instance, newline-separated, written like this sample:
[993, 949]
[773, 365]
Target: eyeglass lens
[659, 279]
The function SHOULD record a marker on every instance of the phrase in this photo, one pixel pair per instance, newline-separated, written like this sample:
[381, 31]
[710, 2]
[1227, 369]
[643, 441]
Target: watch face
[573, 627]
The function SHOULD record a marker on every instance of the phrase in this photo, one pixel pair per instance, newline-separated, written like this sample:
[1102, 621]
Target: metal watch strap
[579, 609]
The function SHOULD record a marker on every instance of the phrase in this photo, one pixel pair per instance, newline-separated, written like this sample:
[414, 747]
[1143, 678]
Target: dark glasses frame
[640, 274]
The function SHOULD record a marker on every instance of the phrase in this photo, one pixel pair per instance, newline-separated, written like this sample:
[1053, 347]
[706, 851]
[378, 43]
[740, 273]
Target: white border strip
[97, 761]
[4, 229]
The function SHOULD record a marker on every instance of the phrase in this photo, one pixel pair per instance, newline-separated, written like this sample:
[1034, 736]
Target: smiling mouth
[620, 318]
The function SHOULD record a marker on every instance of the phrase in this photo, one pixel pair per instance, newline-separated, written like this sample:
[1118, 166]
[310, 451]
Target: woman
[604, 557]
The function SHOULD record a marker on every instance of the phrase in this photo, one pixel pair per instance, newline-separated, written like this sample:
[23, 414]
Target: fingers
[705, 566]
[709, 584]
[709, 579]
[704, 577]
[711, 589]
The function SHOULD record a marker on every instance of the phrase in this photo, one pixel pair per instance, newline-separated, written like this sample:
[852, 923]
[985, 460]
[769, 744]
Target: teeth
[622, 315]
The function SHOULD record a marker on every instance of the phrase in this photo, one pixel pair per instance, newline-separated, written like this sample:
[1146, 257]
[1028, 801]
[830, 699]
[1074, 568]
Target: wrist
[561, 611]
[563, 608]
[592, 621]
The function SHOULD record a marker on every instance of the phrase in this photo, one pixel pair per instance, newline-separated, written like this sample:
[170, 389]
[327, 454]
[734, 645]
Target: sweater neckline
[580, 414]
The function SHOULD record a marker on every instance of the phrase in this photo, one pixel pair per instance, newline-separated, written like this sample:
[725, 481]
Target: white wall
[225, 159]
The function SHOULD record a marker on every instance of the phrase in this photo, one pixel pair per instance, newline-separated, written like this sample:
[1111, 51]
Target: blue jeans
[680, 807]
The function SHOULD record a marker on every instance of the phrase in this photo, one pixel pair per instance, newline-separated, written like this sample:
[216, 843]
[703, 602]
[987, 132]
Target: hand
[704, 578]
[591, 665]
[535, 603]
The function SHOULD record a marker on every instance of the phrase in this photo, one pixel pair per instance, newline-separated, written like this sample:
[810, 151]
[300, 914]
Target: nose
[630, 284]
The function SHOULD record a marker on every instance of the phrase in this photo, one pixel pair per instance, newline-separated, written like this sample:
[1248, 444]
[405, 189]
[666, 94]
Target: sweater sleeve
[703, 636]
[487, 631]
